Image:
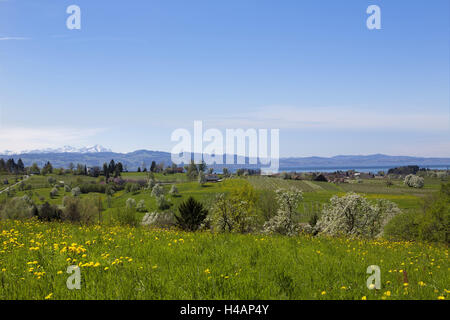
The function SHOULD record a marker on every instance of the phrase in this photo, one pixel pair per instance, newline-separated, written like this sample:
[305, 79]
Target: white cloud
[13, 38]
[19, 138]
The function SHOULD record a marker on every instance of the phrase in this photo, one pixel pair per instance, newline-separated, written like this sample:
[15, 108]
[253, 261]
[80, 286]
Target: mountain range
[66, 149]
[97, 155]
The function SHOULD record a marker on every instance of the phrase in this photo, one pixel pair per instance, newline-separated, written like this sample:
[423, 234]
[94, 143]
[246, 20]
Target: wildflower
[207, 271]
[59, 272]
[441, 298]
[388, 293]
[106, 268]
[49, 296]
[364, 298]
[323, 293]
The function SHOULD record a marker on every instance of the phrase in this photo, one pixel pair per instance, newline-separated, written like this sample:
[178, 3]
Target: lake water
[358, 169]
[333, 169]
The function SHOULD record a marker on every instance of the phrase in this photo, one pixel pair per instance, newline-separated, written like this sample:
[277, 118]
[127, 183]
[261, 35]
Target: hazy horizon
[109, 150]
[133, 74]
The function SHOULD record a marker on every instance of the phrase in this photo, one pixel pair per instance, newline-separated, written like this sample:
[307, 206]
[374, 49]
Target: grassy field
[318, 193]
[120, 262]
[139, 263]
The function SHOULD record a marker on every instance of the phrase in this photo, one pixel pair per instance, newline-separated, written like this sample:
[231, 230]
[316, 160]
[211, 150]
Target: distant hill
[135, 159]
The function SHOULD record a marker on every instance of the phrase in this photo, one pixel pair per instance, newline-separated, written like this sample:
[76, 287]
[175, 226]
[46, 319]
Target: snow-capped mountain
[66, 149]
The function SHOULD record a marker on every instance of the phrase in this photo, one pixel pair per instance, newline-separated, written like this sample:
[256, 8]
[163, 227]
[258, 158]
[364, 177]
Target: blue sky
[137, 70]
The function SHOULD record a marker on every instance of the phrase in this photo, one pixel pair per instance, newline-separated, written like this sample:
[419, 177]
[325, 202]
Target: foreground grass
[139, 263]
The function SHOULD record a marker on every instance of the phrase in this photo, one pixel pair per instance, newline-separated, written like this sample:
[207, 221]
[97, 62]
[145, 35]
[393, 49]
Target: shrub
[17, 209]
[313, 219]
[71, 210]
[389, 182]
[47, 212]
[191, 215]
[140, 207]
[53, 193]
[157, 191]
[354, 215]
[174, 190]
[163, 203]
[232, 214]
[89, 210]
[285, 176]
[414, 181]
[159, 220]
[434, 224]
[283, 223]
[51, 180]
[92, 187]
[76, 191]
[201, 178]
[130, 203]
[21, 186]
[128, 186]
[80, 210]
[403, 226]
[134, 189]
[109, 190]
[151, 183]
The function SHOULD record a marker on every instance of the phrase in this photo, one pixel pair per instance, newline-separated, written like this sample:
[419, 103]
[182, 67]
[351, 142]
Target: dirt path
[10, 187]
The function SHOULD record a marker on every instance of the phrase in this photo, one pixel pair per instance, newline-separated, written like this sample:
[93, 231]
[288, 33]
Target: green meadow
[124, 262]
